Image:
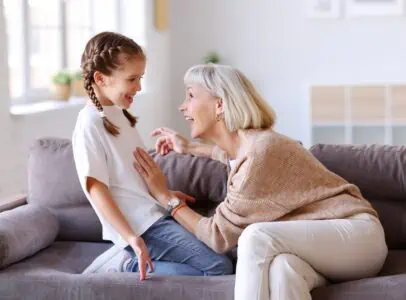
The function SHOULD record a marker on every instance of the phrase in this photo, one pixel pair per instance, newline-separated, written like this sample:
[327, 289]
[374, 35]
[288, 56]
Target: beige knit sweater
[276, 179]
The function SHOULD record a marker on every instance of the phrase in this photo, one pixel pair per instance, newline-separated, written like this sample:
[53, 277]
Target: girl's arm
[104, 202]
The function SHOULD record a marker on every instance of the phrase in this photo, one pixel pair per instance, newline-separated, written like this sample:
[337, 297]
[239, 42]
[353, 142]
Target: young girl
[103, 141]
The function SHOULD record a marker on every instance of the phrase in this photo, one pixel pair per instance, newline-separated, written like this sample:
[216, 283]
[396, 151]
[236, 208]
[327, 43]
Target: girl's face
[123, 83]
[200, 108]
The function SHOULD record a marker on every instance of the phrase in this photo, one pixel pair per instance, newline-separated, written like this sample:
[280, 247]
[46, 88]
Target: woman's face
[200, 109]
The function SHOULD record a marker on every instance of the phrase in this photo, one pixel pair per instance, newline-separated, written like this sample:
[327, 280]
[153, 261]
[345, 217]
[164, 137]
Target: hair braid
[108, 125]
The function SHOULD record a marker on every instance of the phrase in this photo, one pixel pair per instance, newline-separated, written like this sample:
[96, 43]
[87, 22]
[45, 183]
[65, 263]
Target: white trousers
[286, 260]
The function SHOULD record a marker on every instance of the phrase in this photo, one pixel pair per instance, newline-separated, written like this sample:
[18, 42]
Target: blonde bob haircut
[243, 106]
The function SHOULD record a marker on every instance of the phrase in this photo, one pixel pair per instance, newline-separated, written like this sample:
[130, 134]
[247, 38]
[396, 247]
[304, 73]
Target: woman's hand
[183, 197]
[170, 140]
[155, 179]
[152, 175]
[141, 250]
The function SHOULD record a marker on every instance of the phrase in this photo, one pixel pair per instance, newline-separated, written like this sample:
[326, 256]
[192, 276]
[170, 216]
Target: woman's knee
[250, 233]
[282, 262]
[291, 269]
[254, 240]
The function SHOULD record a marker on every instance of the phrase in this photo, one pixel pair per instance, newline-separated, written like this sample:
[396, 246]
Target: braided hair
[102, 54]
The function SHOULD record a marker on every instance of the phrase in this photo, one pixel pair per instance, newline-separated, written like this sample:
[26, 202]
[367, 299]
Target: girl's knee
[227, 267]
[222, 266]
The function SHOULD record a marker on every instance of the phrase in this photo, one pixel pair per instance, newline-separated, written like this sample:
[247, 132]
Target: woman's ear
[219, 106]
[99, 79]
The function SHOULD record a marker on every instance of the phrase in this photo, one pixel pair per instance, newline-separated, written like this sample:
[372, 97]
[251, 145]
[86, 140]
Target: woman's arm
[200, 149]
[185, 216]
[218, 232]
[171, 140]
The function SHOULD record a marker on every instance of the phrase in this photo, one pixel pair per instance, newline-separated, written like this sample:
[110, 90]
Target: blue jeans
[176, 251]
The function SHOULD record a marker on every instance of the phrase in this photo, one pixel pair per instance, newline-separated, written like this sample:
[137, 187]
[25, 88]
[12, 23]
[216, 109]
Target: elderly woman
[297, 224]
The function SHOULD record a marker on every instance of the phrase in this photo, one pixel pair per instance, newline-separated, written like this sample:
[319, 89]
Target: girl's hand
[141, 250]
[170, 140]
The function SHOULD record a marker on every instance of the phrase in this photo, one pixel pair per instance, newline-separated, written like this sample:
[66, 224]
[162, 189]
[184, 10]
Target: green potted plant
[77, 86]
[61, 85]
[211, 58]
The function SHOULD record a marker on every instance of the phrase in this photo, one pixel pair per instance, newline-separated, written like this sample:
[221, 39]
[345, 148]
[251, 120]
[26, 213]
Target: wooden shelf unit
[358, 114]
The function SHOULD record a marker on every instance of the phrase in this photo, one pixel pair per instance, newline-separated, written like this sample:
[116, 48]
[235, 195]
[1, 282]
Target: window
[46, 36]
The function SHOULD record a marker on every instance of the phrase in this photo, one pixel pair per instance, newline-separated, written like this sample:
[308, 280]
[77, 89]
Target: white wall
[18, 132]
[269, 40]
[282, 52]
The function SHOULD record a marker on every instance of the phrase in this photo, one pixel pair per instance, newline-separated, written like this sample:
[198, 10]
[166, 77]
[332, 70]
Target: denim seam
[179, 245]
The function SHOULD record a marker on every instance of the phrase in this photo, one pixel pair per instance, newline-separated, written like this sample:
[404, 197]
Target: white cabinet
[358, 114]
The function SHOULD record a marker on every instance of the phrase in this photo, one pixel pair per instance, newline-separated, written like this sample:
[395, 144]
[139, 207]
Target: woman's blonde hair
[243, 106]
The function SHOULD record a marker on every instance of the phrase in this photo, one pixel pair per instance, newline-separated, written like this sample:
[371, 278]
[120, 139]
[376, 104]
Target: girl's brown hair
[102, 54]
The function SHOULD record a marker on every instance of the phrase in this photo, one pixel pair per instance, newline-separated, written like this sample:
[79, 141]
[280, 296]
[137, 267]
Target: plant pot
[61, 91]
[78, 89]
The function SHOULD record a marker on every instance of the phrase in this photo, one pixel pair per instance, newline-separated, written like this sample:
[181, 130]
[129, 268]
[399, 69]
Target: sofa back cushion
[53, 183]
[380, 173]
[201, 177]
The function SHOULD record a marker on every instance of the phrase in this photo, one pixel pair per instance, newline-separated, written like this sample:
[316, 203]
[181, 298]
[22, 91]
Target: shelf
[331, 135]
[398, 109]
[399, 136]
[328, 103]
[367, 104]
[357, 124]
[358, 114]
[329, 124]
[368, 135]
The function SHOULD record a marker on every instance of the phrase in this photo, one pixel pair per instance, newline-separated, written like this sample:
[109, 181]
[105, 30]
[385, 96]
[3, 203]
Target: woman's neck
[228, 141]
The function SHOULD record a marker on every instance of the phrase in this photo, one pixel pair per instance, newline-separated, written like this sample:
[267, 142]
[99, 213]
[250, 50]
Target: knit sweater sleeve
[221, 231]
[247, 202]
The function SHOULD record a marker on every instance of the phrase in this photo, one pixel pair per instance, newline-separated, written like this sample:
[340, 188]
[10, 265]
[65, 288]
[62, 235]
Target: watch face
[174, 202]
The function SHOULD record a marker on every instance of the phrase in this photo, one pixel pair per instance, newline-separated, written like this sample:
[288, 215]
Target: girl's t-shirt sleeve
[90, 155]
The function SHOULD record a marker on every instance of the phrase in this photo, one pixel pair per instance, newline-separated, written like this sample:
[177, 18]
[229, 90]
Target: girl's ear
[99, 79]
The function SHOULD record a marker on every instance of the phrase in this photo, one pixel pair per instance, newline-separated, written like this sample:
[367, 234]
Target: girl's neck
[104, 101]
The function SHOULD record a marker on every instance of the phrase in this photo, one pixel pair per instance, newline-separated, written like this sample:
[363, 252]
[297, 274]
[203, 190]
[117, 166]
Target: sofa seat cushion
[61, 256]
[54, 273]
[395, 263]
[377, 288]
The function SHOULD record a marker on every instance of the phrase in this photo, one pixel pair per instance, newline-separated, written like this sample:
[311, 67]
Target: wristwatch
[172, 204]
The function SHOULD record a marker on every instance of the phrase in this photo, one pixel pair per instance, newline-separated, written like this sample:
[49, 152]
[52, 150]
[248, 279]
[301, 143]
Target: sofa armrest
[24, 231]
[12, 202]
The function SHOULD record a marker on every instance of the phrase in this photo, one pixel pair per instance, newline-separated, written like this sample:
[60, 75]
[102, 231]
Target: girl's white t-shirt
[109, 159]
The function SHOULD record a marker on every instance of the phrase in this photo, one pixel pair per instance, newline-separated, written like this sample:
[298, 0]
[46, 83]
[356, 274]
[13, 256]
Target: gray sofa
[47, 243]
